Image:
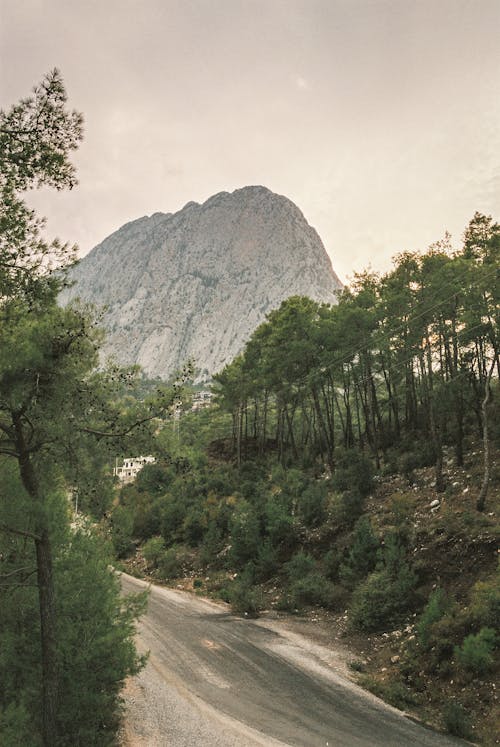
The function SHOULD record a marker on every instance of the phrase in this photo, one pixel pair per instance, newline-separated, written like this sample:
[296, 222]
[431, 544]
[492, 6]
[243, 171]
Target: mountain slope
[195, 284]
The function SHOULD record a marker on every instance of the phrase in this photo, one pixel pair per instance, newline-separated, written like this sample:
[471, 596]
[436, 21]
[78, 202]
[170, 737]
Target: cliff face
[195, 284]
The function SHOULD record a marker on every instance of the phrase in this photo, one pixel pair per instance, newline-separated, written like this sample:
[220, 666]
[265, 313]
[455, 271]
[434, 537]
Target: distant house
[201, 399]
[131, 466]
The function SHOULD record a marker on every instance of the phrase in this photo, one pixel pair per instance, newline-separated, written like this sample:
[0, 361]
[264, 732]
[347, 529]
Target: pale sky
[380, 119]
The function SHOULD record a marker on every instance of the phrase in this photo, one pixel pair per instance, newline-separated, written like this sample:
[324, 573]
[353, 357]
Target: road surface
[221, 681]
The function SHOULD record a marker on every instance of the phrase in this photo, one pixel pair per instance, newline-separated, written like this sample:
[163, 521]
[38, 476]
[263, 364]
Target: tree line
[404, 358]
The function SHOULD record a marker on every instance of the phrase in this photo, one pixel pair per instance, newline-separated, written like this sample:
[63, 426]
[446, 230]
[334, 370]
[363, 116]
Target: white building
[131, 466]
[201, 400]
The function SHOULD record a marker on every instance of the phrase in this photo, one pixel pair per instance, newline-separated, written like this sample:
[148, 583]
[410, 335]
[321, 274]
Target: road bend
[250, 685]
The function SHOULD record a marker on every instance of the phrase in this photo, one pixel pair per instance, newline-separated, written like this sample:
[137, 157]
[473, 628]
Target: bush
[173, 561]
[353, 471]
[386, 596]
[311, 504]
[173, 513]
[15, 727]
[485, 601]
[212, 546]
[392, 691]
[194, 527]
[456, 720]
[267, 562]
[362, 556]
[245, 534]
[476, 653]
[122, 521]
[331, 564]
[433, 611]
[152, 550]
[279, 523]
[243, 597]
[300, 566]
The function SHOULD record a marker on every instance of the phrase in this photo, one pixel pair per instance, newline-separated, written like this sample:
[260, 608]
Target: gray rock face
[195, 284]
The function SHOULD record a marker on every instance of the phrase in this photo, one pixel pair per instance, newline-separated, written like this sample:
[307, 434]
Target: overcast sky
[380, 119]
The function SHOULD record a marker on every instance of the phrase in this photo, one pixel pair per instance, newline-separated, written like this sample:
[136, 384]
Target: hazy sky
[380, 119]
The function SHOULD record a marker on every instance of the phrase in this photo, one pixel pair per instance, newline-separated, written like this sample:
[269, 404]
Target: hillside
[195, 284]
[348, 472]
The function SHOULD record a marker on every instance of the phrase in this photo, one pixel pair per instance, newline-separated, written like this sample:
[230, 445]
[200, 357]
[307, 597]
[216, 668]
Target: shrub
[351, 506]
[362, 556]
[331, 563]
[212, 545]
[193, 527]
[392, 691]
[121, 531]
[311, 504]
[243, 596]
[353, 471]
[485, 601]
[476, 653]
[279, 523]
[152, 551]
[313, 589]
[300, 566]
[383, 599]
[456, 720]
[267, 562]
[433, 611]
[15, 727]
[172, 562]
[245, 534]
[173, 513]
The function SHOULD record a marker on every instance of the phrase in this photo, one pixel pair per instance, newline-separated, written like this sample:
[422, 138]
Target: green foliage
[475, 655]
[212, 545]
[485, 601]
[306, 585]
[386, 596]
[244, 598]
[457, 720]
[152, 551]
[311, 504]
[434, 610]
[245, 534]
[353, 472]
[332, 562]
[173, 561]
[279, 523]
[351, 507]
[392, 691]
[96, 648]
[267, 563]
[122, 523]
[16, 728]
[363, 553]
[37, 136]
[300, 566]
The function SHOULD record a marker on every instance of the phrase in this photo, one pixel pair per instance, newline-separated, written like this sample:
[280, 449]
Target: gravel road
[216, 680]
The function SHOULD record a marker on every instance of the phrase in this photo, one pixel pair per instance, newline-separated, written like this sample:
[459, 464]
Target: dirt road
[220, 681]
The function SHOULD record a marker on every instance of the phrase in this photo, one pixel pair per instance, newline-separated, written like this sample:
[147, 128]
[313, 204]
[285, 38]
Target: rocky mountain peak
[196, 283]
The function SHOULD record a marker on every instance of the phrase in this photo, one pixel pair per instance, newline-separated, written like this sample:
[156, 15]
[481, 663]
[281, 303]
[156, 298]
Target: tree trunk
[48, 638]
[46, 598]
[481, 501]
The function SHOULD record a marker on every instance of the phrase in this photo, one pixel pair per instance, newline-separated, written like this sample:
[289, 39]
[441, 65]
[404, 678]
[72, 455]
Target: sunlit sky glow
[380, 119]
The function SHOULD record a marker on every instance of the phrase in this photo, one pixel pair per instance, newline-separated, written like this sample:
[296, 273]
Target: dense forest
[350, 462]
[402, 357]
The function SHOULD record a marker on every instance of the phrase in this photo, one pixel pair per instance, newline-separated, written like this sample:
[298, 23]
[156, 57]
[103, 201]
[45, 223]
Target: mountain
[195, 284]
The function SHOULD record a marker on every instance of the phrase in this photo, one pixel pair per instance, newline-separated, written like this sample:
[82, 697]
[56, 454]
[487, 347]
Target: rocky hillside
[195, 284]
